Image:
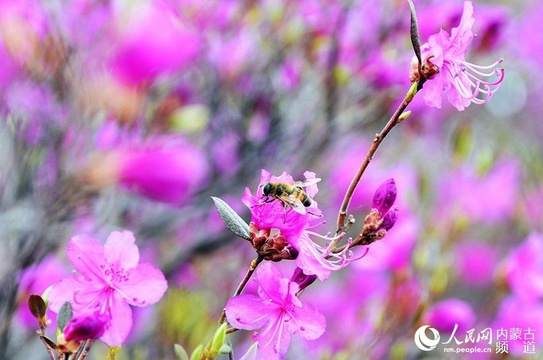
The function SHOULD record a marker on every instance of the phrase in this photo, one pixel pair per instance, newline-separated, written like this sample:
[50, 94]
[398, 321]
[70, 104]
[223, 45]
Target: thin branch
[243, 283]
[394, 120]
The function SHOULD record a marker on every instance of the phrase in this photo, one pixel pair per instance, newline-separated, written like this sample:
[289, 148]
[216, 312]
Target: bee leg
[265, 200]
[269, 199]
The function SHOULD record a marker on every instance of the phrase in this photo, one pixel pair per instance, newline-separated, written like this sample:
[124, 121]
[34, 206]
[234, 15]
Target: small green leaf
[218, 339]
[180, 352]
[197, 353]
[64, 315]
[231, 219]
[37, 306]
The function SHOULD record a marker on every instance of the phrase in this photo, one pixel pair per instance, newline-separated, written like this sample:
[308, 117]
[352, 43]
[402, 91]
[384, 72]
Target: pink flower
[276, 311]
[448, 313]
[456, 78]
[278, 215]
[109, 280]
[471, 268]
[154, 42]
[35, 280]
[270, 213]
[526, 317]
[164, 169]
[524, 268]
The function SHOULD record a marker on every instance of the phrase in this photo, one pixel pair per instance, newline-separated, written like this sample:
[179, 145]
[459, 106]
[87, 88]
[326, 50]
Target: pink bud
[302, 279]
[390, 218]
[86, 326]
[385, 195]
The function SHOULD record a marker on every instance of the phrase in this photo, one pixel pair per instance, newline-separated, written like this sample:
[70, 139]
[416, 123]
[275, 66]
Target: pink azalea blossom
[154, 41]
[275, 214]
[35, 280]
[312, 258]
[456, 78]
[109, 280]
[276, 311]
[524, 268]
[516, 313]
[471, 268]
[448, 313]
[165, 169]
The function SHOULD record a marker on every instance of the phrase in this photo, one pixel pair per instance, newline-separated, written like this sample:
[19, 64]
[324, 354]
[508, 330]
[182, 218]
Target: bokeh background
[132, 114]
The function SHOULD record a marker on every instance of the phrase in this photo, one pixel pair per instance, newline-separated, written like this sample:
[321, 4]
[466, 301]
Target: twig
[394, 120]
[243, 283]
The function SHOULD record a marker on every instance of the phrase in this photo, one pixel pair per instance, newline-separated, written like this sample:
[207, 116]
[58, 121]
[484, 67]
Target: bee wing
[307, 182]
[294, 203]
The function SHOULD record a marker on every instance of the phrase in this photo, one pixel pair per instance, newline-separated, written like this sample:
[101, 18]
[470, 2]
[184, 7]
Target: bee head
[266, 189]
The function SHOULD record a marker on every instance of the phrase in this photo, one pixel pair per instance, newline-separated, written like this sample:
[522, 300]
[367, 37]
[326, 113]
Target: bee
[292, 195]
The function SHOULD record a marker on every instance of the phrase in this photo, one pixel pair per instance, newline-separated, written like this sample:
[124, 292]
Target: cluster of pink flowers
[166, 100]
[294, 226]
[276, 310]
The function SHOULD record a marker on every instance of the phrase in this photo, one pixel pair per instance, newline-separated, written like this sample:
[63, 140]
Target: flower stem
[84, 350]
[394, 120]
[243, 283]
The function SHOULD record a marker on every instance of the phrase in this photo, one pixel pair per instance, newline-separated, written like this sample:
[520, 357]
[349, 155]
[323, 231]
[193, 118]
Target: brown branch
[243, 283]
[394, 120]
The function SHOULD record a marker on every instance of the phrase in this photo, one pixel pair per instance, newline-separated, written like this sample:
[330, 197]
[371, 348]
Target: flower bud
[85, 326]
[385, 195]
[390, 218]
[302, 279]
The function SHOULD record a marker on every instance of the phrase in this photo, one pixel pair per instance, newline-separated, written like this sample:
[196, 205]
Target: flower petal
[60, 293]
[87, 256]
[120, 324]
[249, 312]
[121, 250]
[433, 91]
[462, 35]
[312, 262]
[269, 283]
[274, 338]
[309, 322]
[142, 286]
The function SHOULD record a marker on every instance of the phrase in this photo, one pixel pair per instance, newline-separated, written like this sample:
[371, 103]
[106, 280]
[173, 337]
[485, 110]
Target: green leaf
[180, 352]
[231, 219]
[64, 315]
[197, 353]
[218, 339]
